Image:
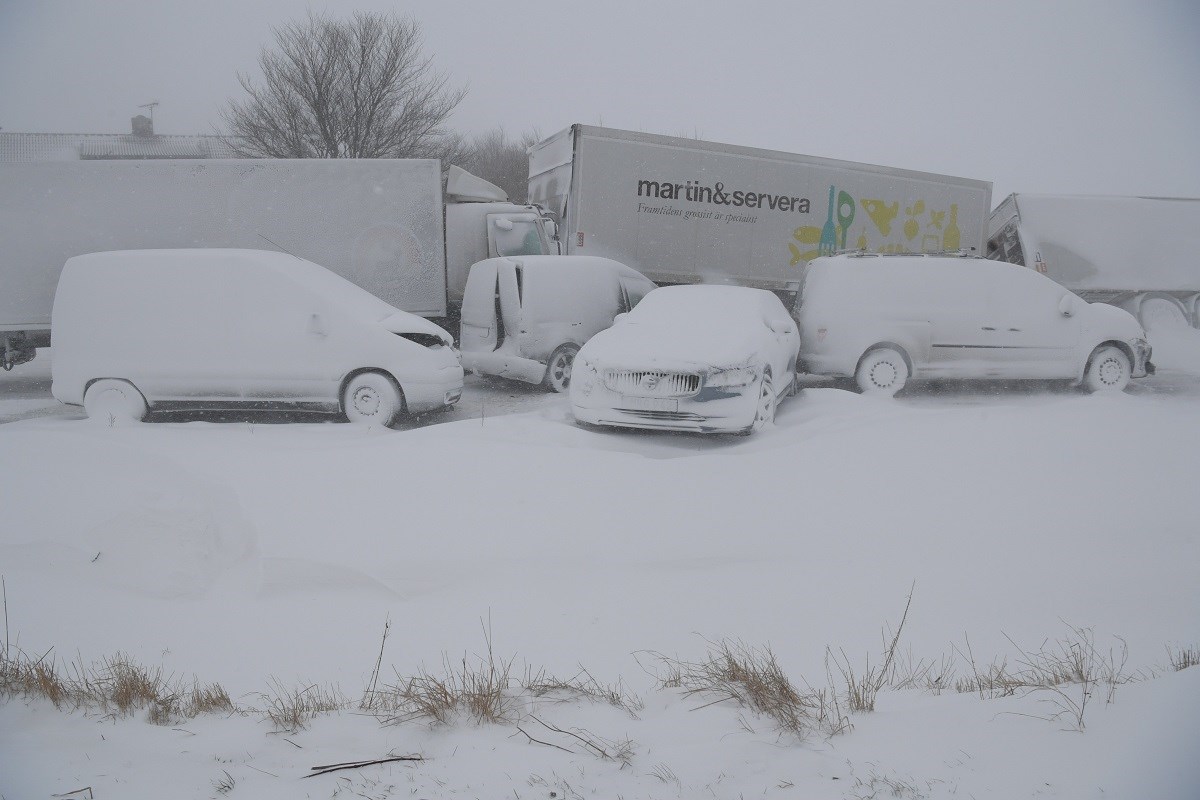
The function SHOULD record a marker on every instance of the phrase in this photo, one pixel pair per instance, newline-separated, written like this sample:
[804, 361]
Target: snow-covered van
[141, 330]
[882, 319]
[526, 317]
[682, 210]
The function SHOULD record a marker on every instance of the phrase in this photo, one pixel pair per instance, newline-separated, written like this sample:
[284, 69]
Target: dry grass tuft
[752, 677]
[115, 685]
[863, 687]
[210, 699]
[30, 678]
[291, 710]
[1068, 671]
[479, 690]
[1183, 657]
[583, 685]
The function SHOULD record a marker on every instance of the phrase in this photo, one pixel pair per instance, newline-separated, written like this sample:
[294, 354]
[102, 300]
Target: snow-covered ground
[271, 555]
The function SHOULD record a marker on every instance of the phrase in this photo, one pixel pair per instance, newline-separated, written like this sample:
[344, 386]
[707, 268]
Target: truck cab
[481, 223]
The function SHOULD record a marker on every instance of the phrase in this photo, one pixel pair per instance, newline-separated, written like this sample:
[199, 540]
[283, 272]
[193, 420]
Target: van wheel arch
[138, 405]
[341, 395]
[1122, 346]
[865, 377]
[1144, 299]
[888, 345]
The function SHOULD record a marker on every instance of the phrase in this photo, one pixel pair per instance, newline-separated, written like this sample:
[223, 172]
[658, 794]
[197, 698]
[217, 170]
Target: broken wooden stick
[321, 770]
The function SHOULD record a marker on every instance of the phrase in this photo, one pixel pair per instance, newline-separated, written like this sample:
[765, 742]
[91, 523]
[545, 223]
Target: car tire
[558, 369]
[1108, 370]
[372, 398]
[764, 406]
[114, 401]
[882, 371]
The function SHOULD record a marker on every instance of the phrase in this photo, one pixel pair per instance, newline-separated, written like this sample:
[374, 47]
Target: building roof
[75, 146]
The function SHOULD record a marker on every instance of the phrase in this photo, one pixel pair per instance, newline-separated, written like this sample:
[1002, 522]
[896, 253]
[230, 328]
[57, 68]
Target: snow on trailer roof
[313, 277]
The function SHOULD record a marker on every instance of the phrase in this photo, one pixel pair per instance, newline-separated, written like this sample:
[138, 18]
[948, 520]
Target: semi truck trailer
[381, 223]
[687, 211]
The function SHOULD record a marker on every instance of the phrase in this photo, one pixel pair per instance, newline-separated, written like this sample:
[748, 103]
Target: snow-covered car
[689, 358]
[883, 319]
[525, 317]
[141, 330]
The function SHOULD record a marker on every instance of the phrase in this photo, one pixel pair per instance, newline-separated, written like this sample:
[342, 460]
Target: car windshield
[698, 306]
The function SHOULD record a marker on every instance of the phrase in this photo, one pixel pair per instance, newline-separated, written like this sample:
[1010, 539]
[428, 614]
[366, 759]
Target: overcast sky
[1033, 95]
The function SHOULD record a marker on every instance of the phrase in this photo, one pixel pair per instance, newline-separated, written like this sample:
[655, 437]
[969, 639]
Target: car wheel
[882, 371]
[1108, 370]
[764, 410]
[113, 401]
[372, 398]
[558, 370]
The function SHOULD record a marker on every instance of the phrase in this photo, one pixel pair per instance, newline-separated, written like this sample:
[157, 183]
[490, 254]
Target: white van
[140, 330]
[882, 319]
[525, 317]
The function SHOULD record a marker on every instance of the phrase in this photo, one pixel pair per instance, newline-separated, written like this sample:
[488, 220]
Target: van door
[955, 302]
[480, 309]
[1032, 337]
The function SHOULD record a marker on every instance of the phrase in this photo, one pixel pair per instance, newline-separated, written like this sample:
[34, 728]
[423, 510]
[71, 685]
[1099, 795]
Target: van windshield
[336, 289]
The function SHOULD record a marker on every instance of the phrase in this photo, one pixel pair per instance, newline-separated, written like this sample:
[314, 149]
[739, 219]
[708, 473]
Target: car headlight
[738, 376]
[583, 375]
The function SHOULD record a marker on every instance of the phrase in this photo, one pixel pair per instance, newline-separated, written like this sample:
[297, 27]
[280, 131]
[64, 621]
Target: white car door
[1033, 337]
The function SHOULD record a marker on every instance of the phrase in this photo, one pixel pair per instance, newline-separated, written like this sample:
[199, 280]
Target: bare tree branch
[502, 161]
[353, 88]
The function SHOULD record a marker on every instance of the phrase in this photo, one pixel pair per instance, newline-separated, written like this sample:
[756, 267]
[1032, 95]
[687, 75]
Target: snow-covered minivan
[884, 318]
[525, 317]
[141, 330]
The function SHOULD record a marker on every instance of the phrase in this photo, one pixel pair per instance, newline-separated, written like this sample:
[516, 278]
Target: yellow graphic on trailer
[924, 229]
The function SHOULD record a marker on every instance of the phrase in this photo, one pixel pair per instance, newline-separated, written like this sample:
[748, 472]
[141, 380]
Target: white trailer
[687, 211]
[380, 223]
[1140, 253]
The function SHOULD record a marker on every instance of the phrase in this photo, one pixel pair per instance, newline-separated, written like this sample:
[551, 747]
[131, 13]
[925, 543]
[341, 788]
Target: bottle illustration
[952, 238]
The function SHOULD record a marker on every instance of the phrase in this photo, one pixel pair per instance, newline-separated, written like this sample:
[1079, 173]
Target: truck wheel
[1108, 370]
[114, 401]
[558, 371]
[372, 398]
[882, 371]
[1162, 313]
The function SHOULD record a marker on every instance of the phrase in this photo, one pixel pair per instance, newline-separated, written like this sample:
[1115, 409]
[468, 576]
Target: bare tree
[503, 161]
[353, 88]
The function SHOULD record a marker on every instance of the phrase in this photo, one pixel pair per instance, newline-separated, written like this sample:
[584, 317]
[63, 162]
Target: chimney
[142, 125]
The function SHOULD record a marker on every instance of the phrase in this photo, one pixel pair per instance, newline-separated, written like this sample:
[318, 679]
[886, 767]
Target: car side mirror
[1066, 306]
[779, 327]
[503, 223]
[620, 317]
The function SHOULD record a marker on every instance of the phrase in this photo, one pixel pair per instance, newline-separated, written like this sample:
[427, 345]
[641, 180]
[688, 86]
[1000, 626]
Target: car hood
[641, 345]
[403, 322]
[1115, 321]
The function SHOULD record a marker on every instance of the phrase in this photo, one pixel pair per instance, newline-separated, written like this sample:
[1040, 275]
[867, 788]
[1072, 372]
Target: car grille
[665, 416]
[651, 384]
